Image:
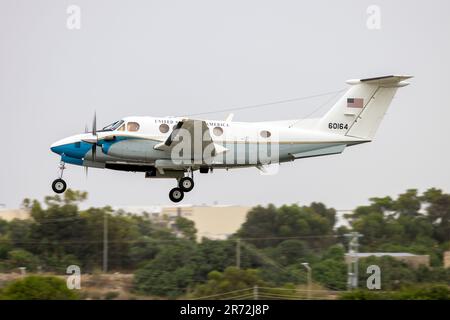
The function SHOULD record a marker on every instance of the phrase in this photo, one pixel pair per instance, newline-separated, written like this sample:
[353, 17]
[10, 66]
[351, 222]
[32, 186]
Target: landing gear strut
[59, 185]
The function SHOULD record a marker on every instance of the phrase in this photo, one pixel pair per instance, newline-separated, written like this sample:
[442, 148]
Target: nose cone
[57, 147]
[73, 146]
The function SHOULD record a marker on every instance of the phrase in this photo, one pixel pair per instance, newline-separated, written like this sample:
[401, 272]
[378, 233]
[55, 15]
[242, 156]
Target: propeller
[93, 139]
[94, 133]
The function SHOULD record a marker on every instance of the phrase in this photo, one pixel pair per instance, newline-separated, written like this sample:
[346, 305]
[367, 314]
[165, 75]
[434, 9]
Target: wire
[271, 261]
[171, 240]
[293, 237]
[318, 108]
[265, 104]
[241, 297]
[222, 294]
[252, 296]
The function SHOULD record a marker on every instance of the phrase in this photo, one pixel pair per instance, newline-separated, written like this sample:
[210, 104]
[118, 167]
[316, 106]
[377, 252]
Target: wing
[199, 137]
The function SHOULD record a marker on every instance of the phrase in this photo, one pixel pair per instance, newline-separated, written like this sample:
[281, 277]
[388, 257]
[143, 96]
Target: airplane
[175, 147]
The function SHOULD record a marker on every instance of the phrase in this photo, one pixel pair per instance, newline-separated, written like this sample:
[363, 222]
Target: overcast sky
[160, 58]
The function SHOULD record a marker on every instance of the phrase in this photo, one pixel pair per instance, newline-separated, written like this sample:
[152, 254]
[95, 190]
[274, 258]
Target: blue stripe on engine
[74, 150]
[78, 150]
[71, 160]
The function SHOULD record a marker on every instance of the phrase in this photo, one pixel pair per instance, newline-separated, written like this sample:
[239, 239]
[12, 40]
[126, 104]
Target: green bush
[38, 288]
[22, 258]
[426, 292]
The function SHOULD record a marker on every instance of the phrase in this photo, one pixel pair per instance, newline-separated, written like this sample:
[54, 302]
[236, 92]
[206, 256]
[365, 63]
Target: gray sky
[161, 58]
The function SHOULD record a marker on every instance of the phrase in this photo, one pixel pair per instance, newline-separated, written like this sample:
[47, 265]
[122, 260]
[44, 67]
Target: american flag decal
[355, 103]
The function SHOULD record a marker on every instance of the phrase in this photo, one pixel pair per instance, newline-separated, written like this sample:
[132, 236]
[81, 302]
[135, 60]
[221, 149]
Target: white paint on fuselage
[290, 140]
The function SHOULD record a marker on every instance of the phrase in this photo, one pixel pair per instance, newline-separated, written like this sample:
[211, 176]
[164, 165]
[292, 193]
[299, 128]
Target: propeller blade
[94, 151]
[86, 170]
[86, 129]
[94, 124]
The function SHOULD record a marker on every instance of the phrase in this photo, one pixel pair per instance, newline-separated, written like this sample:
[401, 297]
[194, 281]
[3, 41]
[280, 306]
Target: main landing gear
[185, 184]
[59, 185]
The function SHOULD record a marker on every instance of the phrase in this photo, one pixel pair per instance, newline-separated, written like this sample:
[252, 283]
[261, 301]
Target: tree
[408, 203]
[186, 227]
[331, 271]
[3, 227]
[289, 252]
[412, 223]
[38, 288]
[170, 272]
[438, 211]
[270, 226]
[394, 273]
[232, 279]
[21, 258]
[218, 255]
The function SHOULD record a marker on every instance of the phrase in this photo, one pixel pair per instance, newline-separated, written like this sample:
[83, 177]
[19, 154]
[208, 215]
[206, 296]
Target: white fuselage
[242, 143]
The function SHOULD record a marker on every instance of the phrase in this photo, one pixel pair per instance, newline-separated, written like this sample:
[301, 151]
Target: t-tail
[359, 111]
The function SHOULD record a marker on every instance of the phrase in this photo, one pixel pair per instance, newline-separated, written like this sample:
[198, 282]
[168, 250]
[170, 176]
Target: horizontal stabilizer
[320, 152]
[382, 81]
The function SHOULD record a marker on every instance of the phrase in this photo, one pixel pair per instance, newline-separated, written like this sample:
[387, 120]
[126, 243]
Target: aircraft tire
[186, 184]
[59, 186]
[176, 195]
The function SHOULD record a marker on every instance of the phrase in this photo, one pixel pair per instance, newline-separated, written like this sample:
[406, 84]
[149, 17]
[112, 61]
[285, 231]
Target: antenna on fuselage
[230, 117]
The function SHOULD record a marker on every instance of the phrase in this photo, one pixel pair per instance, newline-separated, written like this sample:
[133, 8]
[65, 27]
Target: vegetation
[428, 292]
[274, 242]
[231, 279]
[38, 288]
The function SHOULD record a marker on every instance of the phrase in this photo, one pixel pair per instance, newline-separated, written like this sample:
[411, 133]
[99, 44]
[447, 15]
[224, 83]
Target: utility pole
[353, 244]
[238, 253]
[105, 242]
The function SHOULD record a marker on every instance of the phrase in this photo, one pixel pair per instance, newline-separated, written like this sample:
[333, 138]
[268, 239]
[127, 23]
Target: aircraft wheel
[59, 186]
[186, 184]
[176, 194]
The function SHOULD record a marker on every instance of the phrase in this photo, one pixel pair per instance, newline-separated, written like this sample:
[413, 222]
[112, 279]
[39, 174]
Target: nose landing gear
[59, 185]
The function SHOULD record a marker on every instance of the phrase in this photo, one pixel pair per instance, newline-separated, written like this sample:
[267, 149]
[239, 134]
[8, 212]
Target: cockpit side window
[133, 126]
[122, 127]
[113, 126]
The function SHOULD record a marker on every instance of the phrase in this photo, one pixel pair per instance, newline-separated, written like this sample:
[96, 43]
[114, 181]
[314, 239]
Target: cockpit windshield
[113, 126]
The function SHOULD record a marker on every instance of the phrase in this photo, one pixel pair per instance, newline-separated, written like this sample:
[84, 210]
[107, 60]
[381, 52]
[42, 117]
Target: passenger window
[218, 131]
[265, 134]
[132, 126]
[163, 128]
